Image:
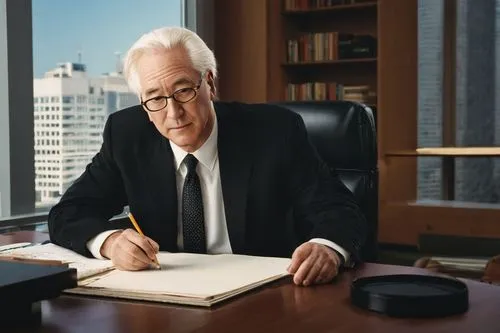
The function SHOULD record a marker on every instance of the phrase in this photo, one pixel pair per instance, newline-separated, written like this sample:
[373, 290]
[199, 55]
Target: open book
[184, 278]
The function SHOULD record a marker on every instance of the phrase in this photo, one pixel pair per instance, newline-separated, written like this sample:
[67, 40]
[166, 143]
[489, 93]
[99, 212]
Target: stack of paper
[85, 267]
[466, 264]
[190, 278]
[184, 278]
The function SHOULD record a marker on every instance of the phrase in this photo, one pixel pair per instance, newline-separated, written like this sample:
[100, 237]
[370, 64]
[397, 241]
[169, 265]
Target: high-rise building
[71, 109]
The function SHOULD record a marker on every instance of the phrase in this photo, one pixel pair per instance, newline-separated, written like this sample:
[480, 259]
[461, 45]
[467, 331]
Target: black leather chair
[344, 133]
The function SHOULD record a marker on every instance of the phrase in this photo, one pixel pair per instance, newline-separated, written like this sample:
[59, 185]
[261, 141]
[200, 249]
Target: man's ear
[211, 83]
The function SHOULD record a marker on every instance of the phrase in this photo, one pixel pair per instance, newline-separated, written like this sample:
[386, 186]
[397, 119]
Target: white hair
[202, 58]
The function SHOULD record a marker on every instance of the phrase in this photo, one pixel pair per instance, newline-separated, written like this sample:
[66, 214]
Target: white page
[84, 266]
[196, 275]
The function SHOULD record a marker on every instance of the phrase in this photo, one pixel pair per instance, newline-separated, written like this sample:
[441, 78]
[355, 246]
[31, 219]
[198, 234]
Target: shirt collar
[206, 154]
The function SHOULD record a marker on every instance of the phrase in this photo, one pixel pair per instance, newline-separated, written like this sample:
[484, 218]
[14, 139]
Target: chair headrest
[343, 132]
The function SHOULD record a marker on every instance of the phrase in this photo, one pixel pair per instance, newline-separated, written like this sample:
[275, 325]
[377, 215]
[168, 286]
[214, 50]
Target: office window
[67, 99]
[459, 78]
[75, 45]
[442, 178]
[82, 61]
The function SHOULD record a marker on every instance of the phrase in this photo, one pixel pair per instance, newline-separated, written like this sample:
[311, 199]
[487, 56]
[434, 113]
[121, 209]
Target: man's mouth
[180, 127]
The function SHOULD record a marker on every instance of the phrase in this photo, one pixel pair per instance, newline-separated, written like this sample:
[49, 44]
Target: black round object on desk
[410, 295]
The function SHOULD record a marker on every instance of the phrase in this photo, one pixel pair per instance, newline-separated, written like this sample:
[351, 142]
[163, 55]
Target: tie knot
[191, 163]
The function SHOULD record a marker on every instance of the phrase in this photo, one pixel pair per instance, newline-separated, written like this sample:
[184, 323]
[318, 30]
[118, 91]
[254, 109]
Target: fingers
[156, 248]
[155, 245]
[144, 243]
[131, 251]
[299, 255]
[303, 271]
[319, 266]
[326, 274]
[128, 256]
[314, 271]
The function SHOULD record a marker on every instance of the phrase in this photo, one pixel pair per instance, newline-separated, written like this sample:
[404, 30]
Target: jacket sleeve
[323, 206]
[86, 207]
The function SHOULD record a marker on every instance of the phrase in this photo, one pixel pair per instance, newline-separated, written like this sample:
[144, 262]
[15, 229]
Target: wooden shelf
[453, 204]
[330, 62]
[337, 8]
[327, 100]
[293, 25]
[450, 152]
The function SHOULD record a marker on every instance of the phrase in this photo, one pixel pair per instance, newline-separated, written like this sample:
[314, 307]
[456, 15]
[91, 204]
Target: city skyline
[97, 29]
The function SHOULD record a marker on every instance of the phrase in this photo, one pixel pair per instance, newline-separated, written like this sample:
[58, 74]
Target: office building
[70, 111]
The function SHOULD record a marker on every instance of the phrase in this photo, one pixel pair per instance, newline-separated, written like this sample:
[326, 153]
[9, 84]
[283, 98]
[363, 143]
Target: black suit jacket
[277, 192]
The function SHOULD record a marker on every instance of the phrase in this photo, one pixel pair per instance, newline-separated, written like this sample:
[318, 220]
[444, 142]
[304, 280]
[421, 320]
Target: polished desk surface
[278, 307]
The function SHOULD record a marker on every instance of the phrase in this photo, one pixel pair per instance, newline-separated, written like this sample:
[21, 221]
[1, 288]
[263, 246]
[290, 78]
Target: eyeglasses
[182, 95]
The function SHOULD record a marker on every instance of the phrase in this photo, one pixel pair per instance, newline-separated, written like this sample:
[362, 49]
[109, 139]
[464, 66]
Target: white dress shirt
[217, 236]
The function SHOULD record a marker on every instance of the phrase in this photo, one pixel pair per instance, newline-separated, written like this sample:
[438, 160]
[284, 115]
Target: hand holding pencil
[130, 249]
[138, 229]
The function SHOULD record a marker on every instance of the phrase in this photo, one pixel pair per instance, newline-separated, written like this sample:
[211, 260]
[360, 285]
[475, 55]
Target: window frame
[17, 84]
[402, 218]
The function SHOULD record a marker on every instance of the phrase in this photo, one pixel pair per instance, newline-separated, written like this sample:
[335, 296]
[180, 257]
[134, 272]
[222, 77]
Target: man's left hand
[314, 263]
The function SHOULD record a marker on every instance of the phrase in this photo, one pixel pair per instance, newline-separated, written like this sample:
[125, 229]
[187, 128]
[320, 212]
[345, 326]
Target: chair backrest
[344, 134]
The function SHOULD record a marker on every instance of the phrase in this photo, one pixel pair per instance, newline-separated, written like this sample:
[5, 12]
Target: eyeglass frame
[166, 98]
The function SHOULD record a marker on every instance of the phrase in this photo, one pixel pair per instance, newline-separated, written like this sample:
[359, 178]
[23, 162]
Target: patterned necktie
[193, 226]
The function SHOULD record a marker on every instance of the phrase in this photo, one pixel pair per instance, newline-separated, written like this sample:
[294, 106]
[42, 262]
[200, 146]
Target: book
[184, 278]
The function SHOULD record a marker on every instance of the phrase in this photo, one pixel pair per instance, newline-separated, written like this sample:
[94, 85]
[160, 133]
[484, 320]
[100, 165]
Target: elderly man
[204, 176]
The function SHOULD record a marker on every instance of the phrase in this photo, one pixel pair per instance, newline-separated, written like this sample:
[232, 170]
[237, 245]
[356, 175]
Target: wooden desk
[279, 307]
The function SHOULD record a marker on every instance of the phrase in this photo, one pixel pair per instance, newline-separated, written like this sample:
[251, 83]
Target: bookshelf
[311, 53]
[329, 62]
[294, 7]
[250, 45]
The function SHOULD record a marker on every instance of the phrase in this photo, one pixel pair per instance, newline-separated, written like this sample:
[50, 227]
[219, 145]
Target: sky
[97, 28]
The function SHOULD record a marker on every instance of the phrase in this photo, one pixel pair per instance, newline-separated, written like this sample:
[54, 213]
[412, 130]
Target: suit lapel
[158, 170]
[235, 168]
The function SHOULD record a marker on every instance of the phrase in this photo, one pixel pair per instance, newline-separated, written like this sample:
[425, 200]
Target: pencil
[138, 229]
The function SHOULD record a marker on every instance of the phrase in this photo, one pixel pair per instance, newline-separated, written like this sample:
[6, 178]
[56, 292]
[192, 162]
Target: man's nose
[174, 109]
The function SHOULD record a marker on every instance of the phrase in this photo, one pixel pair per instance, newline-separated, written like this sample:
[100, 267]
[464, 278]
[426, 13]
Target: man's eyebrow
[182, 80]
[150, 92]
[178, 82]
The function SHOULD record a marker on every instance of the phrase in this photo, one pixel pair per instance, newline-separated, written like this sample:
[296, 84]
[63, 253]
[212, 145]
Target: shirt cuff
[333, 246]
[94, 245]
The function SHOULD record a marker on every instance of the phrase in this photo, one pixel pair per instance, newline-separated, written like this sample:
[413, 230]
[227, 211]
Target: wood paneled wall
[241, 49]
